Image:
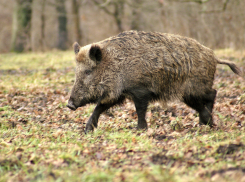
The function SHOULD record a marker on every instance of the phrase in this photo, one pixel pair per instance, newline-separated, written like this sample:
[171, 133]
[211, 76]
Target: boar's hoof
[142, 126]
[88, 129]
[91, 124]
[210, 123]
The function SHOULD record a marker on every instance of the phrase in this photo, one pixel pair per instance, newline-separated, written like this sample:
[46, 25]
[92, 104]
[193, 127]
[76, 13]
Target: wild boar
[145, 67]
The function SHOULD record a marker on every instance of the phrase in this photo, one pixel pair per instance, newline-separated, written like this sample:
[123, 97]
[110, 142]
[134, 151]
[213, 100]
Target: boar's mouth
[71, 105]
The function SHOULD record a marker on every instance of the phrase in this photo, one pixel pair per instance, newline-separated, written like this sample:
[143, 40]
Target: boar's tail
[232, 65]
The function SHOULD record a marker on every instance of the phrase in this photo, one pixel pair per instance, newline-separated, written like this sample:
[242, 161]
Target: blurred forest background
[41, 25]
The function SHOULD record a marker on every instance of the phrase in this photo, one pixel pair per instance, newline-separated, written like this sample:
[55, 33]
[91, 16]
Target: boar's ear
[76, 47]
[95, 53]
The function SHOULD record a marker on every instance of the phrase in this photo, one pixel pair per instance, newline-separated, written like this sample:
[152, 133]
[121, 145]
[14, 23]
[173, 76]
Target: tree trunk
[42, 42]
[62, 21]
[21, 30]
[76, 21]
[136, 15]
[118, 14]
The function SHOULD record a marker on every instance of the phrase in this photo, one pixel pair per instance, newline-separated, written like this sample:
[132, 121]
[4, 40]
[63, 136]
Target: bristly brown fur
[146, 66]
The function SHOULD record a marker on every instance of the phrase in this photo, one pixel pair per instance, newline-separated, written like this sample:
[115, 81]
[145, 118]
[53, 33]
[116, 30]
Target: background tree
[76, 20]
[62, 23]
[58, 23]
[114, 8]
[42, 39]
[136, 20]
[21, 26]
[225, 3]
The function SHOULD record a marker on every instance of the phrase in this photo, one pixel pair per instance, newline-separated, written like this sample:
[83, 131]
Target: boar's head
[85, 89]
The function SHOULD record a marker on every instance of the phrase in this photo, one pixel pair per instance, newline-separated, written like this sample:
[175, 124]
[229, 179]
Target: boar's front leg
[93, 120]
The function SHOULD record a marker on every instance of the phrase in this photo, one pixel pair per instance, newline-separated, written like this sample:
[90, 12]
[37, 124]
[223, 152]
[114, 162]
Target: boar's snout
[71, 105]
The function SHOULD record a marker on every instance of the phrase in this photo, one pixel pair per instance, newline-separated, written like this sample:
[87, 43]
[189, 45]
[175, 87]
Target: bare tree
[215, 23]
[136, 15]
[117, 11]
[21, 27]
[76, 20]
[62, 23]
[225, 3]
[42, 42]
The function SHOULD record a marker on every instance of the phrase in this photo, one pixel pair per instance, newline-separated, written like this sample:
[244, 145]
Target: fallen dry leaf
[150, 132]
[210, 160]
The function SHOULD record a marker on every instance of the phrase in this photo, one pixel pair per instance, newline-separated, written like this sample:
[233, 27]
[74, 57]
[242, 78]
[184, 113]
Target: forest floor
[42, 140]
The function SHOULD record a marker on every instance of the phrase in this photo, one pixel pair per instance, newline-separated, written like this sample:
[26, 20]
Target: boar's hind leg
[204, 105]
[141, 104]
[206, 113]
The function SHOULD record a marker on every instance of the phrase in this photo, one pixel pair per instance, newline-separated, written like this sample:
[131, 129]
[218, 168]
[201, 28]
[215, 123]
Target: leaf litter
[38, 133]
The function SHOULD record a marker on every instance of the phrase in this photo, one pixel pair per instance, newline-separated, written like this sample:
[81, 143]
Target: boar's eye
[88, 72]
